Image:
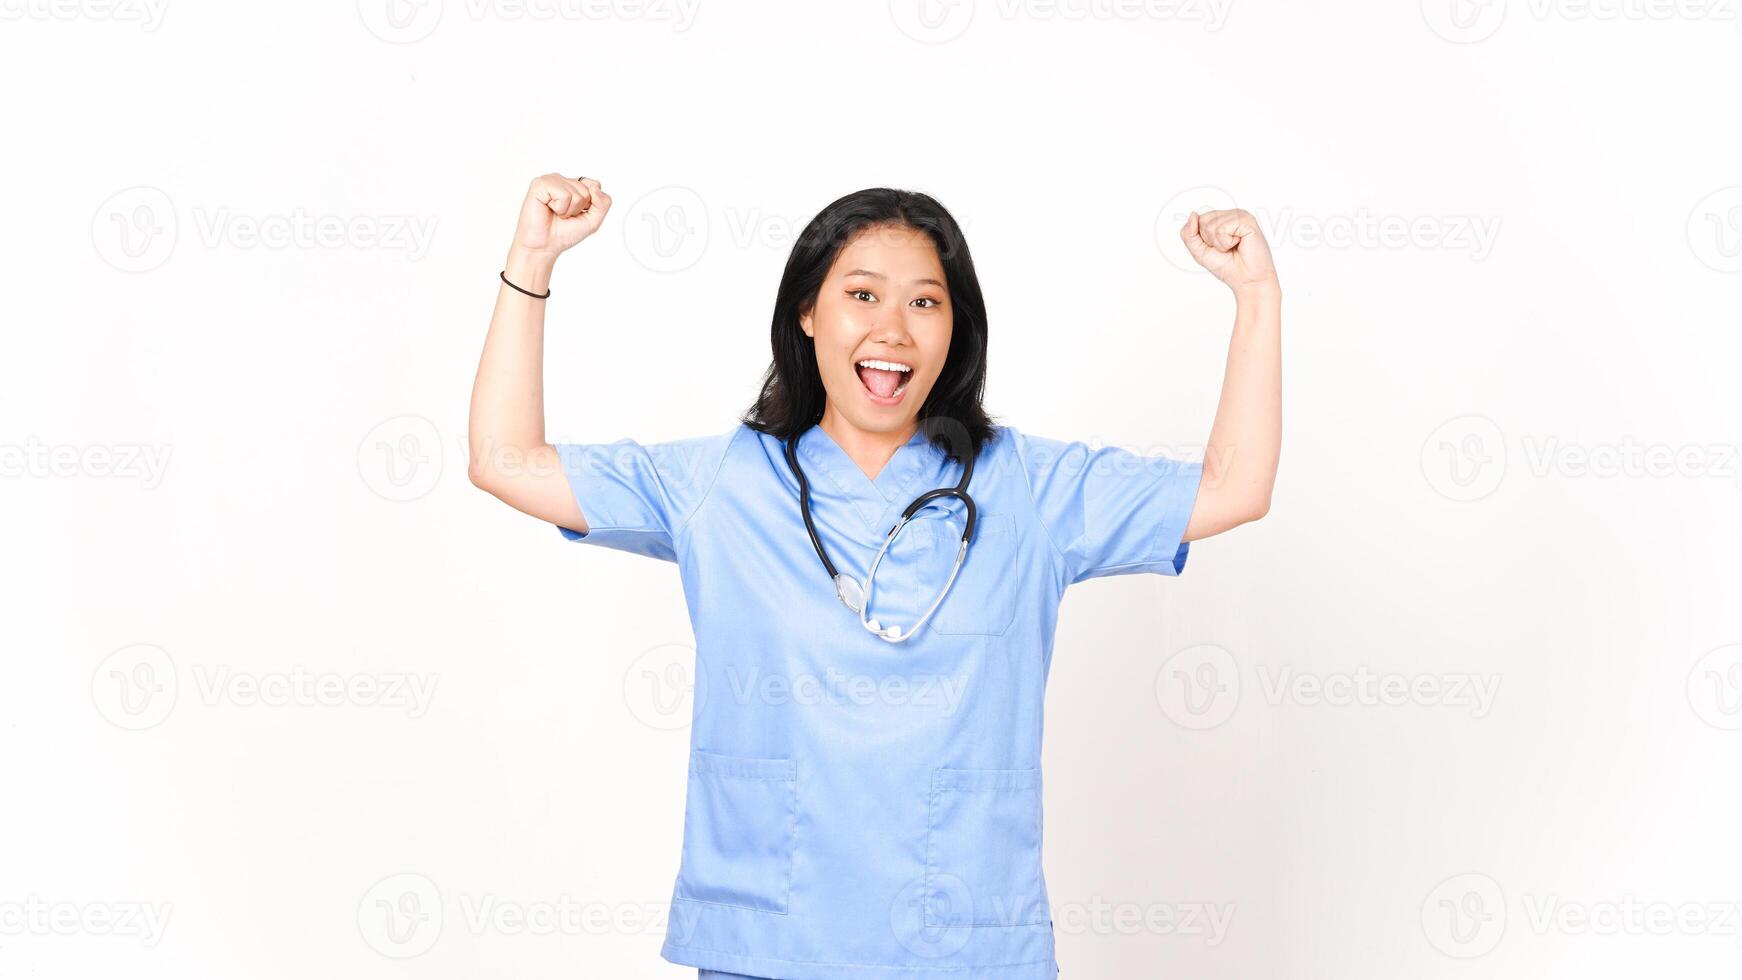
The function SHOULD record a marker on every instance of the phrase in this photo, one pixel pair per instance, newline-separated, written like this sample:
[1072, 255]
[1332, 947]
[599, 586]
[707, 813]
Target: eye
[928, 299]
[856, 292]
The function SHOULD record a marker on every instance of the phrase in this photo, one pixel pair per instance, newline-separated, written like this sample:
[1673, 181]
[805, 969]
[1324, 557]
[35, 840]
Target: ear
[804, 323]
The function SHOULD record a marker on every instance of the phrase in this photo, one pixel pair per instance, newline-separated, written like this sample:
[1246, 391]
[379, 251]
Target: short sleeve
[1110, 511]
[636, 496]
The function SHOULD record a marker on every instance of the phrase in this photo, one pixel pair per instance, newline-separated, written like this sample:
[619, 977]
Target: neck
[868, 449]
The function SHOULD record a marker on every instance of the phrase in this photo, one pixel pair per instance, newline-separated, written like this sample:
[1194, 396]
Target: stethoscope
[857, 597]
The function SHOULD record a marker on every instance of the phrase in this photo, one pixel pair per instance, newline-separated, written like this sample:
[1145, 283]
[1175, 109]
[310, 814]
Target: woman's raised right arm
[510, 457]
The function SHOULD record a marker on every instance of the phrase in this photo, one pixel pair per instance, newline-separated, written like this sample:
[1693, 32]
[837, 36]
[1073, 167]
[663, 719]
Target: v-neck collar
[877, 501]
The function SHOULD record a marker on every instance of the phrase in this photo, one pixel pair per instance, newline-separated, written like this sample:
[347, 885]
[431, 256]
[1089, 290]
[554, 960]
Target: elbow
[1252, 509]
[480, 472]
[488, 479]
[1260, 507]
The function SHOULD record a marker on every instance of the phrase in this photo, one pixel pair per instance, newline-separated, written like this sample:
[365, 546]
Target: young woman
[864, 793]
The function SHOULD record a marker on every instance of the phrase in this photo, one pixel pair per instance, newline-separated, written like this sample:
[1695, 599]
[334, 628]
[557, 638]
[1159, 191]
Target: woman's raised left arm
[1245, 442]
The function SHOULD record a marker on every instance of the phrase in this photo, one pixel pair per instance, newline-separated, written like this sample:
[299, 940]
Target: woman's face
[884, 301]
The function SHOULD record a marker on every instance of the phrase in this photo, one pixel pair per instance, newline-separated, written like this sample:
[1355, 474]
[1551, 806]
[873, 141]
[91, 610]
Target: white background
[1509, 461]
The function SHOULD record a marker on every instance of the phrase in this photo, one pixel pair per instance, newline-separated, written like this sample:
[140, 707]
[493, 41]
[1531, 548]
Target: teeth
[885, 365]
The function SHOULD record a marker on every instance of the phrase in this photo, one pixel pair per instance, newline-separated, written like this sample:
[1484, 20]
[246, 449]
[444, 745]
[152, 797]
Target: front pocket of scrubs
[738, 831]
[983, 849]
[983, 599]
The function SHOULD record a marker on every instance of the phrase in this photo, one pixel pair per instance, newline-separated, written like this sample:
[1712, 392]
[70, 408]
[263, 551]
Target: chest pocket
[982, 602]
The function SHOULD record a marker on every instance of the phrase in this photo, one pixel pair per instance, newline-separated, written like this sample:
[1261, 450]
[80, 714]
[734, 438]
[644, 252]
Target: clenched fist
[558, 213]
[1229, 244]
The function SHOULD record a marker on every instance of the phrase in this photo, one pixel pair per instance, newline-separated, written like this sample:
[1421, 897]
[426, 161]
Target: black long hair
[792, 396]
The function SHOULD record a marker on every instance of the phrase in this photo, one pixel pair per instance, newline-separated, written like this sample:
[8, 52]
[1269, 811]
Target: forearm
[507, 410]
[1245, 444]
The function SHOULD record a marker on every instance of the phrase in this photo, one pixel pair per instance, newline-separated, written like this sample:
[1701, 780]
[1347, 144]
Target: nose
[891, 328]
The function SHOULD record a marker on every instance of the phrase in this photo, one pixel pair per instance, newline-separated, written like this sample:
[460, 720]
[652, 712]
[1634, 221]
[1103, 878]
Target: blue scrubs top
[859, 809]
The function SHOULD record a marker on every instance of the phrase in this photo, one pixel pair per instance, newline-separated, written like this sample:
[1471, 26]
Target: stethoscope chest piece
[850, 591]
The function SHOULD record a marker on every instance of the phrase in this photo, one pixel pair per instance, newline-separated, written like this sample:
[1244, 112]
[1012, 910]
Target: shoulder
[720, 439]
[731, 451]
[686, 465]
[709, 447]
[708, 452]
[1027, 449]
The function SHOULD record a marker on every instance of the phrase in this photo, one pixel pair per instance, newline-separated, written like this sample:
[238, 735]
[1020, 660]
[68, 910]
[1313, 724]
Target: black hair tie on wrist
[544, 295]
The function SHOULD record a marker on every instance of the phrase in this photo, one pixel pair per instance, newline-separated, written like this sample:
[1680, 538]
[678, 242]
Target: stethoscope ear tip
[892, 633]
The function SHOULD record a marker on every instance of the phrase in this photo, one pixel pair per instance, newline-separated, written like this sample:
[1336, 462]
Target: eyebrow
[879, 275]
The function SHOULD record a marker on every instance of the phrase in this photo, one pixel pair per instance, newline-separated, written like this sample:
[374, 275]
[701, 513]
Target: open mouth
[884, 381]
